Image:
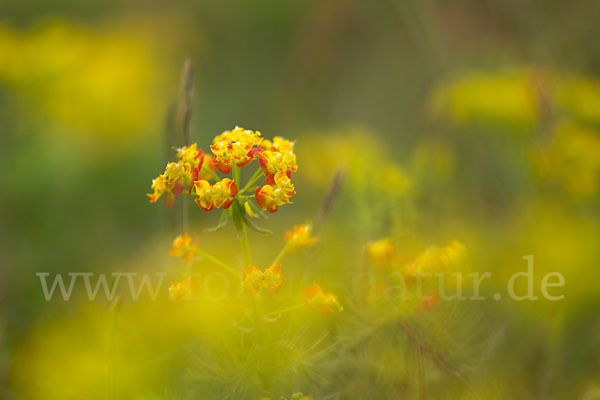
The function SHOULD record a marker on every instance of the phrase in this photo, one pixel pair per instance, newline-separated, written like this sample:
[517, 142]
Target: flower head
[221, 194]
[274, 161]
[184, 248]
[273, 278]
[224, 192]
[276, 192]
[182, 290]
[254, 280]
[278, 144]
[237, 146]
[437, 259]
[204, 195]
[299, 236]
[324, 303]
[381, 252]
[178, 175]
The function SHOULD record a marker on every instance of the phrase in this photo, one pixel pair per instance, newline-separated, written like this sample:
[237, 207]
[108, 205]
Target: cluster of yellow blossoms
[254, 280]
[383, 253]
[433, 260]
[231, 150]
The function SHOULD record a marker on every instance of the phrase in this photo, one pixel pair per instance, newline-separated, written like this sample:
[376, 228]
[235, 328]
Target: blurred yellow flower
[274, 161]
[102, 85]
[571, 158]
[182, 290]
[382, 252]
[324, 303]
[434, 260]
[298, 237]
[580, 97]
[254, 280]
[184, 248]
[508, 97]
[366, 162]
[273, 278]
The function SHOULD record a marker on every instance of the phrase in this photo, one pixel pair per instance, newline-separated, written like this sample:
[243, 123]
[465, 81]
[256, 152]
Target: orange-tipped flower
[159, 187]
[324, 303]
[272, 162]
[184, 248]
[381, 252]
[273, 278]
[221, 194]
[204, 195]
[178, 175]
[254, 280]
[224, 192]
[235, 146]
[276, 192]
[299, 236]
[278, 144]
[182, 290]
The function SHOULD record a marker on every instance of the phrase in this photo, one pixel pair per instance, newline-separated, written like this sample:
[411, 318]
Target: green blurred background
[474, 119]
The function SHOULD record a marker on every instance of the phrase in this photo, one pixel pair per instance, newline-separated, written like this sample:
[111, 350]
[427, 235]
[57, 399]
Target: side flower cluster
[324, 303]
[278, 161]
[221, 194]
[254, 280]
[179, 175]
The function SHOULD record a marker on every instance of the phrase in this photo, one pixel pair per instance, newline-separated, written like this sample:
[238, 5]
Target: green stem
[281, 254]
[292, 308]
[257, 175]
[218, 262]
[235, 172]
[246, 246]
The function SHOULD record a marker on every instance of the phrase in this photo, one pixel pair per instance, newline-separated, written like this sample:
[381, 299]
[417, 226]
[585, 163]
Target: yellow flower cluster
[437, 259]
[432, 261]
[254, 280]
[381, 252]
[571, 159]
[182, 290]
[325, 303]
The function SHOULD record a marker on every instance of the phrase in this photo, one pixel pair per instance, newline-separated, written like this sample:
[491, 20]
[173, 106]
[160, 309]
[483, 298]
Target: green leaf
[255, 228]
[257, 210]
